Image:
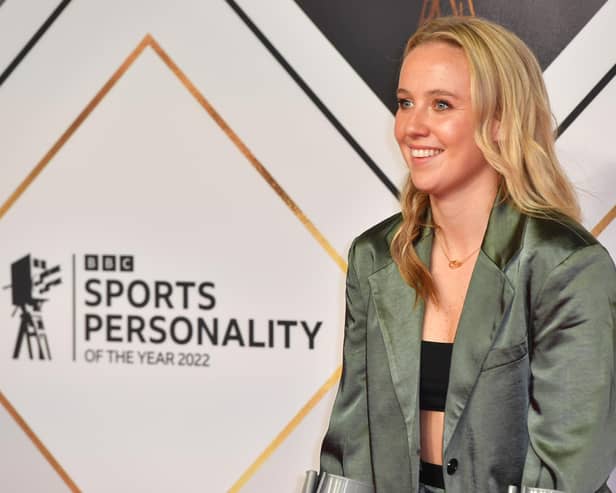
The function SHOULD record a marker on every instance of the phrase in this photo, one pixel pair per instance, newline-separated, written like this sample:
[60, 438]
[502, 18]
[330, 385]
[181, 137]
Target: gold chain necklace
[453, 263]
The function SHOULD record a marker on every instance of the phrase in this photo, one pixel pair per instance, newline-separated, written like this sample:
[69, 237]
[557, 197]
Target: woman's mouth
[424, 152]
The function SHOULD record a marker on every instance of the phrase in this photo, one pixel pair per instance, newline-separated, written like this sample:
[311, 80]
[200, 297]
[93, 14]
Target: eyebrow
[433, 92]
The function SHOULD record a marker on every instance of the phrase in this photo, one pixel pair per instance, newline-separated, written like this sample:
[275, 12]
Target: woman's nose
[413, 122]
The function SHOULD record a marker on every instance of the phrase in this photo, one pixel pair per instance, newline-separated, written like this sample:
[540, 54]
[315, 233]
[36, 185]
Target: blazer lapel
[400, 320]
[487, 301]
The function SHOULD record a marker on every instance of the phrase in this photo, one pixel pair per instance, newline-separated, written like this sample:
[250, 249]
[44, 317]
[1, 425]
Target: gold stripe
[435, 10]
[471, 7]
[422, 14]
[605, 222]
[282, 436]
[38, 444]
[249, 155]
[73, 127]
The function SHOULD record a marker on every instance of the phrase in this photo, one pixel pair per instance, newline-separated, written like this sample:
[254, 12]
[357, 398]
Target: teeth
[425, 152]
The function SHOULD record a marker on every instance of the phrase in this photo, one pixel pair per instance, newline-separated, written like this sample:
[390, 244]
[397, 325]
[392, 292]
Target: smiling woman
[480, 342]
[435, 124]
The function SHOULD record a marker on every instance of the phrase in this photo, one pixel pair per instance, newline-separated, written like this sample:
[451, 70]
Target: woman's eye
[441, 105]
[405, 104]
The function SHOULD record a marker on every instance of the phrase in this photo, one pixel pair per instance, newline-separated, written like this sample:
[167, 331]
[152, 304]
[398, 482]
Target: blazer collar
[503, 237]
[401, 318]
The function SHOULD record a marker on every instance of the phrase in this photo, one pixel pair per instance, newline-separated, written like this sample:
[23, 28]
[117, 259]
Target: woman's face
[435, 123]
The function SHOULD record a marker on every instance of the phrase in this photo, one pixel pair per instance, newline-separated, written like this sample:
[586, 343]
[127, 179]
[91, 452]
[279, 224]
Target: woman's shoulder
[374, 243]
[555, 239]
[559, 230]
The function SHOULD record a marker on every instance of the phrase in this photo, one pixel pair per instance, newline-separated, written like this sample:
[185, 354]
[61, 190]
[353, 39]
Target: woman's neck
[462, 220]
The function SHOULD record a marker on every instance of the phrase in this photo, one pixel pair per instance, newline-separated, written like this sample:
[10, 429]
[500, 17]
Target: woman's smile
[423, 153]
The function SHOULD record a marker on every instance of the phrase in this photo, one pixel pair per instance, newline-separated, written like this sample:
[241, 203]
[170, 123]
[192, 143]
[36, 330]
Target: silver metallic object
[310, 483]
[331, 483]
[528, 489]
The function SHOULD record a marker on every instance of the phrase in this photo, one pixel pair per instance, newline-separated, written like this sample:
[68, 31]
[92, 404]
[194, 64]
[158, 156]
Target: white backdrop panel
[19, 21]
[150, 174]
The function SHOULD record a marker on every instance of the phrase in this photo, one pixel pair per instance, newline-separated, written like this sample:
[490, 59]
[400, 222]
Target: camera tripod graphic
[30, 280]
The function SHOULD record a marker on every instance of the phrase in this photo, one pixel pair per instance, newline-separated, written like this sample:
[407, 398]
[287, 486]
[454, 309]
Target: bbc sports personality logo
[31, 281]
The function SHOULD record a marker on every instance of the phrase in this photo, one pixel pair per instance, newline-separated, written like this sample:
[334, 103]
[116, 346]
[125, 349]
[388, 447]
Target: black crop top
[434, 375]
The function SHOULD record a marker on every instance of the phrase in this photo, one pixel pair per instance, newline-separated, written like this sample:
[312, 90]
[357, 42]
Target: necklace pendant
[454, 264]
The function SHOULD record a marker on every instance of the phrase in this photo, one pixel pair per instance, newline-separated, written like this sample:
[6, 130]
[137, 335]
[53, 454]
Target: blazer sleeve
[572, 412]
[345, 450]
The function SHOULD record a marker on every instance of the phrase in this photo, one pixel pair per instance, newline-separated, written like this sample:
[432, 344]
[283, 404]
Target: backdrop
[179, 185]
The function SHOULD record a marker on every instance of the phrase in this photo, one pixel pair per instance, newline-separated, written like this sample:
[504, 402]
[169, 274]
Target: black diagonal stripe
[314, 98]
[605, 80]
[33, 40]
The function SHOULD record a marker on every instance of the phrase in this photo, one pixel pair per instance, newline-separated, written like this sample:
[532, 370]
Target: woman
[479, 342]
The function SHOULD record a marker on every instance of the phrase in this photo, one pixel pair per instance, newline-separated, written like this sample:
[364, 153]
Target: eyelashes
[437, 105]
[441, 105]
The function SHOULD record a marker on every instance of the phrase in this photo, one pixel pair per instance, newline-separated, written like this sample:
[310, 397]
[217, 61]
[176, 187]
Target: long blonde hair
[507, 90]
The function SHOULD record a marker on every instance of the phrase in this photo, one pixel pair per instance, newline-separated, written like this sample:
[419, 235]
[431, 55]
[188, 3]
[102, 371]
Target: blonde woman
[480, 341]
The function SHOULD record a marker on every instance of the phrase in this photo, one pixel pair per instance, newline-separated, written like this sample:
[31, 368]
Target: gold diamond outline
[149, 41]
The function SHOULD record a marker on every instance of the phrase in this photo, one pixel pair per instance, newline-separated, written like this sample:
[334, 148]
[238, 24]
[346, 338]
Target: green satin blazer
[532, 386]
